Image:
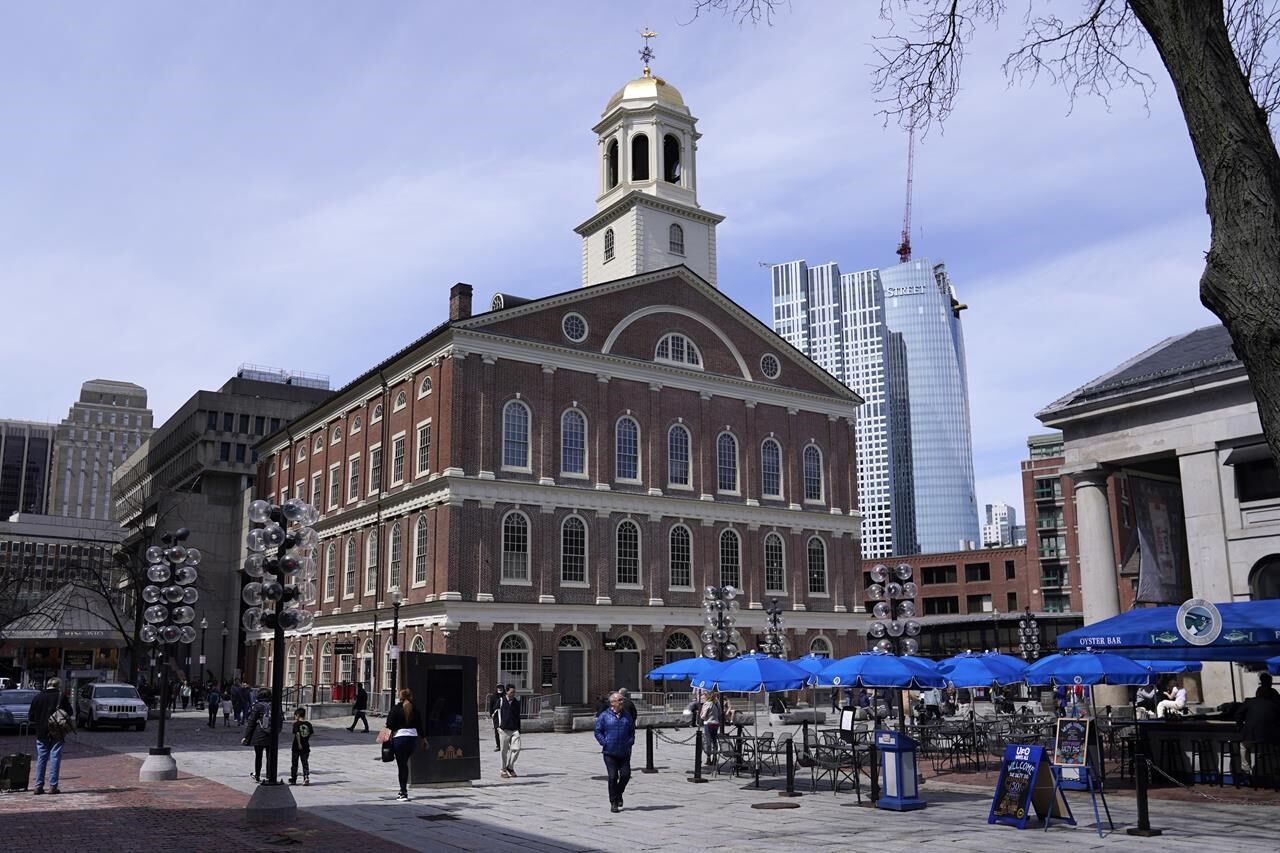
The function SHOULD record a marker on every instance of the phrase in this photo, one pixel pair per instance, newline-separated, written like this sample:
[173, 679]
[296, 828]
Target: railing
[536, 706]
[1053, 580]
[380, 703]
[651, 699]
[678, 699]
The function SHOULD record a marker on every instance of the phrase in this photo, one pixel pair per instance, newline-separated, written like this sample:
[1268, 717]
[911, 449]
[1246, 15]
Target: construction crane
[904, 247]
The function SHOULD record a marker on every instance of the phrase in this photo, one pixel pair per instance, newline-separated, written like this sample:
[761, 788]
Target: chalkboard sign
[1071, 746]
[1026, 784]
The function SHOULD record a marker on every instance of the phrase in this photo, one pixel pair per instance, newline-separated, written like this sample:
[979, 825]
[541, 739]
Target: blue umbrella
[751, 673]
[1087, 668]
[680, 670]
[812, 663]
[1171, 666]
[1273, 665]
[981, 670]
[880, 669]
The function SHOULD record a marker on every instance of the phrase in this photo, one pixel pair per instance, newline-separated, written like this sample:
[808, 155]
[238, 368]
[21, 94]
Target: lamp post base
[158, 766]
[271, 804]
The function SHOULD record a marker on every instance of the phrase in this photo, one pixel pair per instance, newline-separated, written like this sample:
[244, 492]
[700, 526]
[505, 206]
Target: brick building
[1049, 504]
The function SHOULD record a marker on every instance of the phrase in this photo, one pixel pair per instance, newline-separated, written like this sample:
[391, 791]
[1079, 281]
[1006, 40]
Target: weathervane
[647, 53]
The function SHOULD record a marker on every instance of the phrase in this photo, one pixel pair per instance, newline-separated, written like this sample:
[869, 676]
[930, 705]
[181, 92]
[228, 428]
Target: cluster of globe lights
[895, 626]
[1029, 636]
[172, 573]
[720, 640]
[772, 645]
[283, 565]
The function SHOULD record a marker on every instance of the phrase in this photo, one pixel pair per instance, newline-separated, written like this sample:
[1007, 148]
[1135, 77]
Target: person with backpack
[301, 748]
[259, 730]
[215, 703]
[53, 719]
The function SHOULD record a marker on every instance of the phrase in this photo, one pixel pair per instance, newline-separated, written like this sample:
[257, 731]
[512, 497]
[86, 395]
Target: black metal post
[791, 771]
[160, 748]
[875, 770]
[697, 758]
[804, 727]
[277, 667]
[1143, 829]
[648, 752]
[222, 660]
[395, 644]
[204, 630]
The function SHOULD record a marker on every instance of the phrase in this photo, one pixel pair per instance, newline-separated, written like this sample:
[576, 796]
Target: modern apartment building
[1049, 504]
[999, 526]
[26, 450]
[107, 423]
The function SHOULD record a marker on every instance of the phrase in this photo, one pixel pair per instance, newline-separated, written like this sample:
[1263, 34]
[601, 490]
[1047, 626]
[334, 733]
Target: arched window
[675, 239]
[418, 644]
[573, 442]
[388, 666]
[812, 473]
[290, 666]
[608, 245]
[424, 388]
[573, 551]
[727, 462]
[1264, 578]
[330, 571]
[302, 452]
[678, 456]
[611, 165]
[775, 565]
[401, 401]
[680, 544]
[513, 661]
[319, 445]
[817, 567]
[628, 553]
[820, 647]
[420, 552]
[679, 647]
[670, 159]
[627, 449]
[515, 547]
[771, 469]
[371, 562]
[349, 570]
[366, 665]
[393, 561]
[308, 665]
[337, 435]
[326, 663]
[640, 157]
[355, 424]
[730, 559]
[377, 414]
[515, 435]
[677, 349]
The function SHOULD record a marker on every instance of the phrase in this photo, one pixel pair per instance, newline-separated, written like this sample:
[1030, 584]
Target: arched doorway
[1264, 578]
[366, 665]
[679, 647]
[626, 664]
[572, 672]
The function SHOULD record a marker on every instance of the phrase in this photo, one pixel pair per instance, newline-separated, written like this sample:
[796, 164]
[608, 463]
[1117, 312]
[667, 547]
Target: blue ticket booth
[900, 791]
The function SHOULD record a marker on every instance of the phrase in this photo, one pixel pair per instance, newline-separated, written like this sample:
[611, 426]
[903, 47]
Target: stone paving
[559, 803]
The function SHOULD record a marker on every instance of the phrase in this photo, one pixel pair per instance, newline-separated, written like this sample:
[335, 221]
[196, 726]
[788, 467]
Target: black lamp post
[894, 629]
[222, 661]
[394, 651]
[204, 629]
[720, 639]
[1028, 635]
[772, 645]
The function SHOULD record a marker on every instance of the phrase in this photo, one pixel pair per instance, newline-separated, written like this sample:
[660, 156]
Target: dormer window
[608, 245]
[677, 349]
[676, 239]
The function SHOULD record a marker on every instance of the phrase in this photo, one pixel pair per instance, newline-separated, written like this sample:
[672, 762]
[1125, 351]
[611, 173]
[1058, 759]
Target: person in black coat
[405, 724]
[358, 709]
[49, 739]
[259, 729]
[495, 699]
[1261, 718]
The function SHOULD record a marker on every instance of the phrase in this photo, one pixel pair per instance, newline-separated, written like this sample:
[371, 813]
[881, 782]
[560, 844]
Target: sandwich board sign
[1027, 784]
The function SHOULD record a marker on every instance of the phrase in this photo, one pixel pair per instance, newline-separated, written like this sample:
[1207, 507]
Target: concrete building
[1176, 493]
[195, 472]
[999, 525]
[26, 454]
[107, 423]
[551, 484]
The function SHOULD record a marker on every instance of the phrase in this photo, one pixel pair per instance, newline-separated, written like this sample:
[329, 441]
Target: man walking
[52, 717]
[628, 707]
[494, 701]
[358, 709]
[507, 716]
[616, 734]
[214, 701]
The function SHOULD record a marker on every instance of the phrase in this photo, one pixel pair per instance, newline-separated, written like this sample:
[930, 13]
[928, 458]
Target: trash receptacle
[900, 791]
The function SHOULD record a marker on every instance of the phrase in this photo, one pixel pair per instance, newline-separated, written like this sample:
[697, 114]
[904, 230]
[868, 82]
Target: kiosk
[898, 768]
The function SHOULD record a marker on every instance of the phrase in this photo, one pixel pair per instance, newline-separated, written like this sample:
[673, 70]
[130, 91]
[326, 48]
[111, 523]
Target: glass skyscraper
[893, 335]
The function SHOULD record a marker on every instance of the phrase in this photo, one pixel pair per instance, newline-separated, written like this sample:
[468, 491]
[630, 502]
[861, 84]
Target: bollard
[804, 725]
[791, 771]
[697, 758]
[648, 750]
[1143, 828]
[875, 770]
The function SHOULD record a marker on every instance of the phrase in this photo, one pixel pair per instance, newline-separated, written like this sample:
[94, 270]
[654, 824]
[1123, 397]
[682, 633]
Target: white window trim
[737, 467]
[356, 423]
[429, 383]
[418, 469]
[780, 496]
[527, 467]
[371, 568]
[404, 463]
[302, 452]
[764, 567]
[375, 414]
[415, 583]
[639, 478]
[317, 477]
[347, 560]
[639, 584]
[317, 446]
[692, 572]
[397, 524]
[684, 487]
[586, 554]
[300, 489]
[528, 655]
[370, 491]
[335, 473]
[337, 555]
[346, 485]
[688, 342]
[528, 554]
[335, 435]
[401, 401]
[822, 479]
[586, 446]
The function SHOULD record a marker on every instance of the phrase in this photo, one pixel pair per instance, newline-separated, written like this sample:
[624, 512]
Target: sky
[189, 188]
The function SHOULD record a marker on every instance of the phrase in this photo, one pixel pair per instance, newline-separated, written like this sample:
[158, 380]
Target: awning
[1250, 633]
[70, 614]
[1248, 453]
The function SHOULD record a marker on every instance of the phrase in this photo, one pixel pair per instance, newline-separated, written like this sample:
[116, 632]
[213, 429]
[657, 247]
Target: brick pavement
[105, 808]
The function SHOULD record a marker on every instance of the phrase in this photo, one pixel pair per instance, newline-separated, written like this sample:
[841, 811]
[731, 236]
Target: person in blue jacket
[616, 734]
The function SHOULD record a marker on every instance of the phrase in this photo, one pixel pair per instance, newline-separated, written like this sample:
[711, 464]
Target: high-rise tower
[107, 423]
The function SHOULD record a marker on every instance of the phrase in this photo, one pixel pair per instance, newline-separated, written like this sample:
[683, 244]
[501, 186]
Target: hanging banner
[1157, 510]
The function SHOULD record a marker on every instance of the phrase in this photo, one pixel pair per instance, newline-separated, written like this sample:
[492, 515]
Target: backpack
[264, 721]
[59, 724]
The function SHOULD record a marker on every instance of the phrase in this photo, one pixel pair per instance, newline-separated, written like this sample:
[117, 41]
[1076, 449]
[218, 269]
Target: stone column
[1207, 549]
[1099, 591]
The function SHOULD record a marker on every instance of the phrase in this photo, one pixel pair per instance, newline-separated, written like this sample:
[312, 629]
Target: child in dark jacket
[301, 749]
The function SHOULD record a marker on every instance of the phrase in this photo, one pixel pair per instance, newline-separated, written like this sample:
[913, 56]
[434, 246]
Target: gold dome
[647, 88]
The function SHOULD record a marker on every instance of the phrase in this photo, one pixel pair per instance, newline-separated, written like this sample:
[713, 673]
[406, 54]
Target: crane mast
[904, 246]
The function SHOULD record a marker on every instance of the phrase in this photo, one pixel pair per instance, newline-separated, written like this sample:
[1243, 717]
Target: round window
[770, 366]
[575, 328]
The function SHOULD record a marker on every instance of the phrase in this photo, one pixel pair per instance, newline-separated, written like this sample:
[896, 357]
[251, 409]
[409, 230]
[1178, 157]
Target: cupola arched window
[670, 159]
[676, 239]
[608, 245]
[640, 157]
[611, 165]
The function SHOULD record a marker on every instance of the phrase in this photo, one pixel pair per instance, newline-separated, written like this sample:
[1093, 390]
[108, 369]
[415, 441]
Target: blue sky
[190, 188]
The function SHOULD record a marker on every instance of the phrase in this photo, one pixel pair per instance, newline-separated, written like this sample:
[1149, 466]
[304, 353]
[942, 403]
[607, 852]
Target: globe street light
[894, 628]
[1029, 635]
[772, 645]
[720, 639]
[204, 629]
[394, 651]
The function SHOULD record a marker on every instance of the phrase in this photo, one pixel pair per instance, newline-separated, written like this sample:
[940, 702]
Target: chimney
[460, 301]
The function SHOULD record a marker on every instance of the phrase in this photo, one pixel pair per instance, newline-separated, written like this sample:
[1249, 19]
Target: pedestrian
[51, 714]
[358, 709]
[226, 709]
[405, 724]
[495, 699]
[616, 734]
[507, 716]
[300, 750]
[710, 717]
[628, 707]
[259, 729]
[214, 699]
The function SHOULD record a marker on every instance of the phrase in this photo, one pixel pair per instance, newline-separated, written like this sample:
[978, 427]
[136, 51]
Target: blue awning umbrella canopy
[1167, 667]
[1249, 633]
[751, 673]
[880, 669]
[981, 670]
[812, 663]
[680, 670]
[1087, 668]
[1273, 665]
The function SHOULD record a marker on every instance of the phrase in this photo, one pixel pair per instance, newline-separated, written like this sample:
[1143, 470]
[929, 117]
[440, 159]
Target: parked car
[14, 705]
[102, 703]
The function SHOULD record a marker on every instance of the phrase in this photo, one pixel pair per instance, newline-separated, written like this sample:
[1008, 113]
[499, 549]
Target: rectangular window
[938, 574]
[628, 553]
[1048, 488]
[681, 558]
[259, 425]
[1010, 602]
[213, 421]
[1053, 547]
[573, 551]
[1058, 602]
[316, 487]
[375, 470]
[775, 579]
[978, 603]
[224, 451]
[275, 424]
[1009, 570]
[240, 450]
[424, 448]
[1257, 480]
[397, 460]
[228, 422]
[1049, 518]
[977, 572]
[244, 424]
[941, 606]
[335, 474]
[353, 479]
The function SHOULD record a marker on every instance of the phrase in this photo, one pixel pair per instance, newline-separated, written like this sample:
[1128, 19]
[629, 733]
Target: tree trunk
[1237, 155]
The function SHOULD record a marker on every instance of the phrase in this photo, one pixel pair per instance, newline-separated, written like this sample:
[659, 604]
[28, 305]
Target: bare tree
[1221, 56]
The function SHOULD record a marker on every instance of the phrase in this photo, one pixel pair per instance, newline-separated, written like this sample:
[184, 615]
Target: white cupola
[647, 215]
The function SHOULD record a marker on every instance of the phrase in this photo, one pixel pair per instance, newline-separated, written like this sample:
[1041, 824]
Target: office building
[26, 453]
[107, 423]
[1000, 526]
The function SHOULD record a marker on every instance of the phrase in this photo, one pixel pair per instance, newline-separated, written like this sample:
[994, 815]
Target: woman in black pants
[257, 731]
[405, 723]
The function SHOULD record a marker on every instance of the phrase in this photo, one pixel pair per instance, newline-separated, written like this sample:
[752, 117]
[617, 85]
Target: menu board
[1026, 784]
[1071, 746]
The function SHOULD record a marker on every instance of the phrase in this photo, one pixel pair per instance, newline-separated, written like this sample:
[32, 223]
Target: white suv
[111, 704]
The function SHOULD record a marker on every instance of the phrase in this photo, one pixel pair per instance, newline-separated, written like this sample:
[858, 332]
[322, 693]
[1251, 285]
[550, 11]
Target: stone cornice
[636, 197]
